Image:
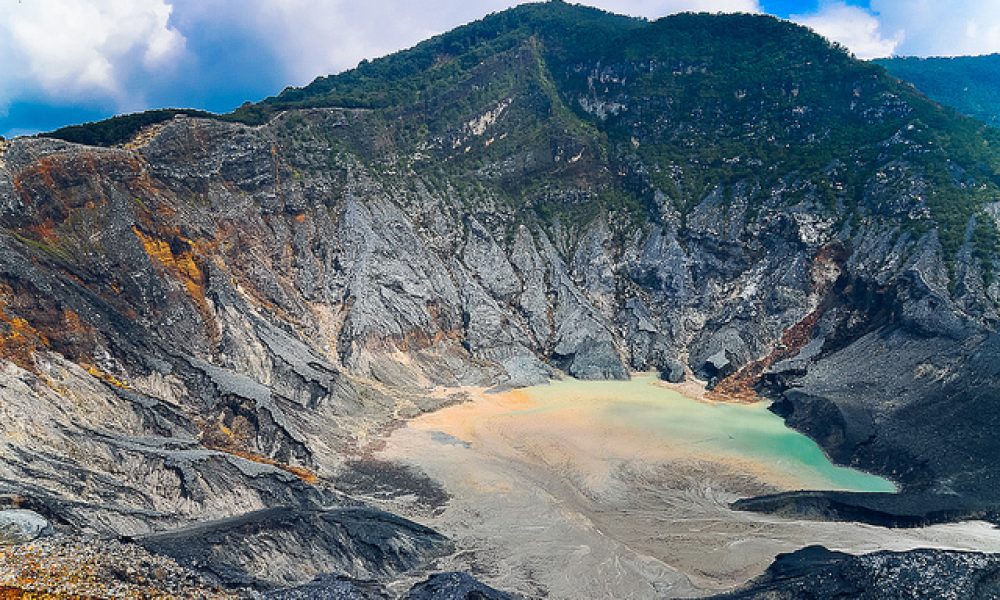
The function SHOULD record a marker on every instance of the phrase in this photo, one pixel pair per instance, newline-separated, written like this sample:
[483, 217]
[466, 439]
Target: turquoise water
[734, 431]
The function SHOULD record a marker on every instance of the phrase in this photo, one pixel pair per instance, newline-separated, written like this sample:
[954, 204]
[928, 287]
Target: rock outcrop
[816, 572]
[454, 586]
[359, 543]
[22, 526]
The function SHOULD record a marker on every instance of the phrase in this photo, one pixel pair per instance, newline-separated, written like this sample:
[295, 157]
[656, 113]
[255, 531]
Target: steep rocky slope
[203, 322]
[816, 572]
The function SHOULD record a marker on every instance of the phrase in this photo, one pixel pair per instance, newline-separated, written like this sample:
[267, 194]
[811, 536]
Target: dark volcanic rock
[912, 509]
[381, 479]
[817, 573]
[672, 371]
[454, 586]
[913, 408]
[359, 543]
[332, 587]
[441, 586]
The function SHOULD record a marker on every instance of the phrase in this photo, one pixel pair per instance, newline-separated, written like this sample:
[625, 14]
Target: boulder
[719, 364]
[672, 370]
[22, 526]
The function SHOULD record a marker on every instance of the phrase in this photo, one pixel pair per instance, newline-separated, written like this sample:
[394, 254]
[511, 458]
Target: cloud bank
[63, 49]
[910, 27]
[942, 28]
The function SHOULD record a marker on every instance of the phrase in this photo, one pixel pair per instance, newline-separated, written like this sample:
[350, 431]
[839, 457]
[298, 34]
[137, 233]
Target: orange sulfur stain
[183, 266]
[230, 442]
[18, 339]
[740, 386]
[302, 473]
[107, 377]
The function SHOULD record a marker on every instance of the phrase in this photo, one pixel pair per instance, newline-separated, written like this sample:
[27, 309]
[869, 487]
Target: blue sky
[70, 61]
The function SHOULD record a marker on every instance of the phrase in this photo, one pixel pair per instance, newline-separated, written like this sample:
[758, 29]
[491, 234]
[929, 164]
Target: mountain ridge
[970, 84]
[507, 28]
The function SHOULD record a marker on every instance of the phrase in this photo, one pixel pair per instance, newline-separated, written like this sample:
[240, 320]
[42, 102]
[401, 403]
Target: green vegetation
[120, 129]
[969, 84]
[414, 75]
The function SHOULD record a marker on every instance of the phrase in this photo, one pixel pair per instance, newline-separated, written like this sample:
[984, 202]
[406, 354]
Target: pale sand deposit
[621, 490]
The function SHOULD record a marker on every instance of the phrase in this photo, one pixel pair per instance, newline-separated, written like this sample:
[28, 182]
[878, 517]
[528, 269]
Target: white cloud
[853, 27]
[69, 48]
[910, 27]
[939, 28]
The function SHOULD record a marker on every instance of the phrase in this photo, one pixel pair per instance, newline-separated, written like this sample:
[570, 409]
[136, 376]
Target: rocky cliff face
[816, 572]
[199, 323]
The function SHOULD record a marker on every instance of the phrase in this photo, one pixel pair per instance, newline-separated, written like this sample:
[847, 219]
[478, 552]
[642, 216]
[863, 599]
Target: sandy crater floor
[614, 490]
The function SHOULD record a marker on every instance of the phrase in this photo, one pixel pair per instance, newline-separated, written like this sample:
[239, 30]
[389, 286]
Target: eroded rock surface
[358, 543]
[210, 320]
[454, 586]
[816, 572]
